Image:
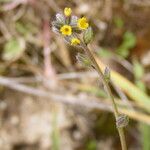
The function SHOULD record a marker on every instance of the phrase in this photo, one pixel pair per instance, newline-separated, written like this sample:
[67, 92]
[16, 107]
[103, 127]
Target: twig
[123, 62]
[54, 97]
[76, 75]
[53, 5]
[49, 71]
[4, 30]
[143, 3]
[89, 103]
[14, 4]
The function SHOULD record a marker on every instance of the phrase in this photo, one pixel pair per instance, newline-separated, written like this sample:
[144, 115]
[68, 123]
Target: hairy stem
[116, 112]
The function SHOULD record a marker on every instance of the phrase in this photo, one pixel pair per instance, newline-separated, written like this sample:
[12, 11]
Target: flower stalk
[106, 84]
[77, 32]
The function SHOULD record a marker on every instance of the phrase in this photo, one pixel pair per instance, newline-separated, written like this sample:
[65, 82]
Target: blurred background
[49, 100]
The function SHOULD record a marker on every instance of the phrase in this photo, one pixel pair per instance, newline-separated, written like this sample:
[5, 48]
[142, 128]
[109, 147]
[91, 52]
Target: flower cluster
[71, 27]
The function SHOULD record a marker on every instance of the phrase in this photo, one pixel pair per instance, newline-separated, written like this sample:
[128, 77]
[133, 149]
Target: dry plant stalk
[77, 32]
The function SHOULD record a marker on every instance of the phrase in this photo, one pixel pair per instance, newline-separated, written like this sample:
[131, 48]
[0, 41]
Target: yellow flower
[66, 30]
[82, 23]
[75, 41]
[67, 11]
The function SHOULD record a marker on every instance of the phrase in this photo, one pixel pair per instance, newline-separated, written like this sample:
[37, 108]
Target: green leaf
[138, 72]
[5, 1]
[26, 28]
[88, 35]
[21, 28]
[140, 85]
[104, 53]
[55, 134]
[138, 69]
[91, 145]
[84, 60]
[129, 41]
[145, 136]
[124, 52]
[118, 22]
[13, 49]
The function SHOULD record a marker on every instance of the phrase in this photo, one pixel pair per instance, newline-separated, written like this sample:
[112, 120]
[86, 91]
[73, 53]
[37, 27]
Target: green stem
[116, 112]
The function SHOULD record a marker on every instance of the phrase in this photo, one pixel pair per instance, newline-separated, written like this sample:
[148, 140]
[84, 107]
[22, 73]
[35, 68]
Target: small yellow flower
[75, 41]
[82, 23]
[67, 11]
[66, 30]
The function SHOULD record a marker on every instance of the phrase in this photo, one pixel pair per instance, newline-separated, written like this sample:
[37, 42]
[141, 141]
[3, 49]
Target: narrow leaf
[88, 35]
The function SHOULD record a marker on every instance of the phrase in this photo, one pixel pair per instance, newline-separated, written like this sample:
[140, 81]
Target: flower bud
[67, 11]
[122, 121]
[107, 74]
